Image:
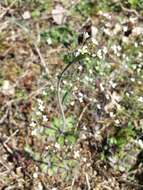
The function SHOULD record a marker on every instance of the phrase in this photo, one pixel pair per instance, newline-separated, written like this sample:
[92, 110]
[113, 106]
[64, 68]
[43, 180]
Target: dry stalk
[7, 9]
[59, 96]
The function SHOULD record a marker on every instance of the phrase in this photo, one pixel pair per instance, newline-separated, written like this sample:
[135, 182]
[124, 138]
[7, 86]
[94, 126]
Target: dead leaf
[7, 88]
[58, 14]
[115, 98]
[28, 81]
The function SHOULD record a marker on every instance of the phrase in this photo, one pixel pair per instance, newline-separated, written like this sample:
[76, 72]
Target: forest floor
[83, 129]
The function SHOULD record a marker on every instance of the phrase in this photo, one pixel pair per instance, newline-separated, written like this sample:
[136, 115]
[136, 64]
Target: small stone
[26, 15]
[35, 175]
[7, 88]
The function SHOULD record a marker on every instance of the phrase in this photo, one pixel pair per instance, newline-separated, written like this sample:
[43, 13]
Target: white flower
[44, 93]
[52, 88]
[94, 31]
[125, 28]
[140, 54]
[57, 146]
[34, 132]
[107, 31]
[136, 44]
[134, 67]
[115, 49]
[133, 19]
[113, 159]
[117, 121]
[39, 186]
[45, 119]
[113, 84]
[94, 41]
[84, 159]
[39, 101]
[87, 78]
[84, 128]
[99, 106]
[75, 88]
[99, 54]
[127, 94]
[98, 136]
[41, 107]
[133, 79]
[107, 15]
[72, 103]
[33, 124]
[140, 143]
[140, 99]
[83, 136]
[101, 87]
[93, 55]
[117, 28]
[76, 154]
[80, 68]
[125, 39]
[65, 82]
[86, 35]
[81, 94]
[105, 50]
[38, 112]
[77, 53]
[80, 99]
[111, 114]
[35, 175]
[84, 50]
[49, 41]
[119, 48]
[137, 31]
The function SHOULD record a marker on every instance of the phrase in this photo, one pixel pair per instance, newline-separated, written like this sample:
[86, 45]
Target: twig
[4, 117]
[6, 147]
[3, 26]
[26, 30]
[1, 162]
[73, 181]
[130, 183]
[7, 9]
[41, 58]
[59, 96]
[131, 11]
[13, 134]
[81, 115]
[87, 181]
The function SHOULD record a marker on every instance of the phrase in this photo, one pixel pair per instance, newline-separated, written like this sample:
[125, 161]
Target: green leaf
[71, 162]
[112, 141]
[71, 139]
[35, 13]
[50, 132]
[52, 170]
[54, 159]
[44, 168]
[28, 149]
[36, 156]
[70, 123]
[61, 140]
[60, 34]
[56, 123]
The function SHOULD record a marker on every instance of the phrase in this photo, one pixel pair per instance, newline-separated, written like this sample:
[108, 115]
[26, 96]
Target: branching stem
[59, 96]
